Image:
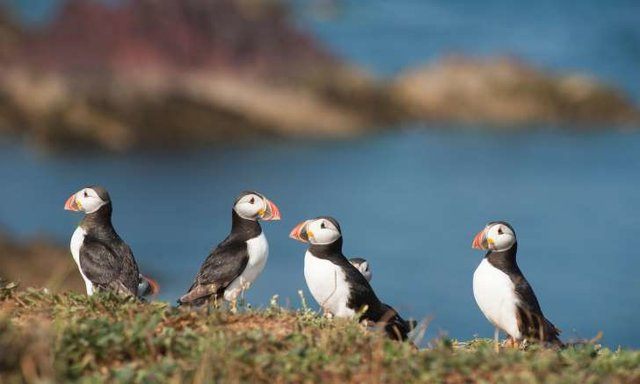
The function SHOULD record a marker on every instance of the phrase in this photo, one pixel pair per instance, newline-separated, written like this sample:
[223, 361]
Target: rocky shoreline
[243, 71]
[506, 91]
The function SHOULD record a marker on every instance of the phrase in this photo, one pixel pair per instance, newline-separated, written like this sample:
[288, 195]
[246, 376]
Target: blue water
[410, 202]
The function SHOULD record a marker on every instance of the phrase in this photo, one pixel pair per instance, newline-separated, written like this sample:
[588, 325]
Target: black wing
[361, 292]
[363, 295]
[395, 326]
[108, 268]
[221, 267]
[531, 320]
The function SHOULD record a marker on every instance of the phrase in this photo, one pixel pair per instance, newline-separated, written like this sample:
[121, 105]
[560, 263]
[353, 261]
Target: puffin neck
[324, 251]
[99, 221]
[504, 259]
[244, 228]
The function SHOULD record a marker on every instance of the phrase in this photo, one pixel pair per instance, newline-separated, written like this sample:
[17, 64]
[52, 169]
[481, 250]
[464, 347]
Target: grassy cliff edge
[69, 337]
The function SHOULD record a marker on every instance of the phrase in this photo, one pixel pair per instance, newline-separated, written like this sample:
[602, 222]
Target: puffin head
[496, 236]
[362, 265]
[147, 286]
[88, 200]
[322, 230]
[254, 206]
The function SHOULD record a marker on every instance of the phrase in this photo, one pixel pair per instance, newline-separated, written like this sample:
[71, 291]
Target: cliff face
[89, 36]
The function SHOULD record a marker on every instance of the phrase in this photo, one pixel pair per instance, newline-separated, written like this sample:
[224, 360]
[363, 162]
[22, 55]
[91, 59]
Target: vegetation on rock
[73, 338]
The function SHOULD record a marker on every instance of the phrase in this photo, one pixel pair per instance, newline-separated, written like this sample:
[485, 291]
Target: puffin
[239, 259]
[104, 260]
[502, 292]
[362, 265]
[336, 285]
[147, 286]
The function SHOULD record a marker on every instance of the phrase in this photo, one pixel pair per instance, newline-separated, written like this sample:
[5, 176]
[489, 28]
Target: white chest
[258, 249]
[495, 294]
[76, 242]
[328, 285]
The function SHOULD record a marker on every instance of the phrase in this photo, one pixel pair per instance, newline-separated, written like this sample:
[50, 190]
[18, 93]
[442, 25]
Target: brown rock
[170, 74]
[507, 91]
[90, 36]
[39, 263]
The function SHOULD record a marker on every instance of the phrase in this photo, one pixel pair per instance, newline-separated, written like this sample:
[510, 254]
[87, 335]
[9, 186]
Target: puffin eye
[322, 225]
[86, 194]
[253, 200]
[500, 232]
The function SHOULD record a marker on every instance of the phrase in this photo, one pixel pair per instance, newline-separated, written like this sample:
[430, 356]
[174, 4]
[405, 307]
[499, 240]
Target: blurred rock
[185, 73]
[181, 74]
[172, 34]
[10, 37]
[507, 91]
[39, 263]
[163, 110]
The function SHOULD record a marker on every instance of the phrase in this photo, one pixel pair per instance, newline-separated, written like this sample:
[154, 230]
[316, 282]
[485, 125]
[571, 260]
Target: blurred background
[412, 122]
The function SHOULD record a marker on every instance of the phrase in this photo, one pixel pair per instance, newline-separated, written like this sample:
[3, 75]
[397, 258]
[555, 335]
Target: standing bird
[337, 286]
[362, 265]
[238, 260]
[502, 292]
[104, 260]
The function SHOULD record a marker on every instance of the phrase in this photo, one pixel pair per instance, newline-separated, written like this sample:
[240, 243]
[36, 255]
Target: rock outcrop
[159, 110]
[180, 73]
[184, 73]
[506, 91]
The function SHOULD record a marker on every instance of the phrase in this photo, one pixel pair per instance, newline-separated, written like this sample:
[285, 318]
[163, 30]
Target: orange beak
[271, 212]
[71, 204]
[480, 240]
[300, 232]
[154, 287]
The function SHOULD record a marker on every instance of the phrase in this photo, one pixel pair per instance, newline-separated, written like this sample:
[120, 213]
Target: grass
[73, 338]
